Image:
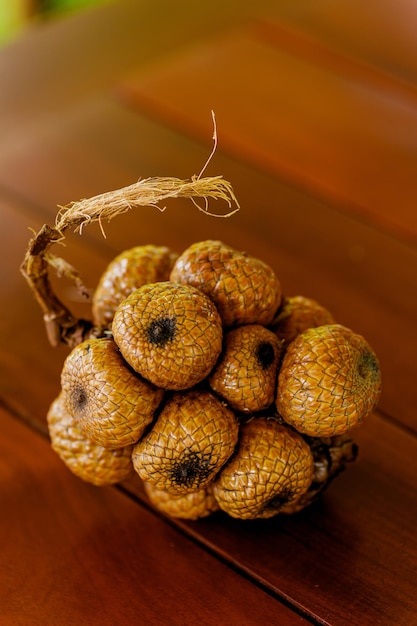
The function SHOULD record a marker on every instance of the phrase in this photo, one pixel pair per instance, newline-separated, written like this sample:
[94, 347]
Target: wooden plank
[55, 63]
[378, 35]
[366, 278]
[352, 556]
[77, 554]
[338, 134]
[345, 532]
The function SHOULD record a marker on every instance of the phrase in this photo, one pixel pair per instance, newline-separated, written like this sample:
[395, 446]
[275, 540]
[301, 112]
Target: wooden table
[316, 109]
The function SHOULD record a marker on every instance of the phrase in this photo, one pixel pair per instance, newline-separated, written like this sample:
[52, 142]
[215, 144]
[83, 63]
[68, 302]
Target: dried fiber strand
[146, 192]
[61, 325]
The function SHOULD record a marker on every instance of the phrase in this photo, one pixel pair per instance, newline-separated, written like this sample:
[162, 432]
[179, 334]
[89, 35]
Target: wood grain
[73, 553]
[59, 63]
[380, 37]
[335, 133]
[316, 126]
[345, 508]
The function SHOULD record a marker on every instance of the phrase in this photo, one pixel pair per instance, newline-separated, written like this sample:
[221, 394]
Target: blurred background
[16, 14]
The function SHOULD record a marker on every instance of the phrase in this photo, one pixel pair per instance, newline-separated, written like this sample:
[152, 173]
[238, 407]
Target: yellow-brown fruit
[329, 381]
[273, 466]
[191, 440]
[331, 454]
[246, 373]
[192, 506]
[171, 334]
[128, 271]
[244, 289]
[87, 460]
[112, 405]
[298, 314]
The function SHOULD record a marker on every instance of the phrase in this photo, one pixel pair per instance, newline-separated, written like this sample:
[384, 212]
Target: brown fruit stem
[60, 324]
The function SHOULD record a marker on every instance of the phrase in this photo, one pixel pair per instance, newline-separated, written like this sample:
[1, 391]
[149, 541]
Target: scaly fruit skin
[244, 289]
[171, 334]
[87, 460]
[112, 405]
[329, 381]
[297, 314]
[273, 467]
[191, 506]
[128, 271]
[246, 373]
[191, 440]
[331, 454]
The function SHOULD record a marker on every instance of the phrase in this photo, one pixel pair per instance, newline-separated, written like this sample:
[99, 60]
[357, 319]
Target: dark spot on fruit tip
[79, 398]
[265, 354]
[368, 366]
[278, 500]
[161, 331]
[191, 469]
